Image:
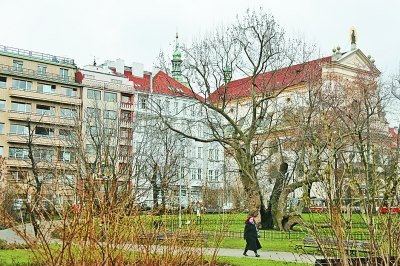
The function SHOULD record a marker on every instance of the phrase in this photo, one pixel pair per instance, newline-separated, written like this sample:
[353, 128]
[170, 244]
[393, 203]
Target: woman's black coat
[250, 234]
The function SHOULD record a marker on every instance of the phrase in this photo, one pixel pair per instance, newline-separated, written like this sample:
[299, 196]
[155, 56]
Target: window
[90, 149]
[70, 92]
[1, 128]
[69, 180]
[142, 102]
[18, 129]
[64, 73]
[1, 150]
[199, 130]
[125, 98]
[93, 94]
[2, 105]
[45, 177]
[210, 175]
[92, 112]
[192, 110]
[109, 131]
[123, 150]
[193, 173]
[44, 131]
[184, 109]
[43, 155]
[211, 154]
[176, 106]
[110, 97]
[17, 65]
[199, 152]
[45, 110]
[41, 69]
[167, 106]
[21, 107]
[124, 134]
[66, 156]
[109, 114]
[3, 82]
[18, 153]
[216, 175]
[116, 81]
[46, 88]
[126, 116]
[18, 175]
[22, 85]
[198, 173]
[92, 131]
[65, 133]
[216, 155]
[68, 113]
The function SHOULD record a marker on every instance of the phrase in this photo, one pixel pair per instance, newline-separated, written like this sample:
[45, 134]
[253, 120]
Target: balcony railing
[30, 72]
[45, 119]
[37, 55]
[128, 106]
[55, 140]
[33, 94]
[108, 85]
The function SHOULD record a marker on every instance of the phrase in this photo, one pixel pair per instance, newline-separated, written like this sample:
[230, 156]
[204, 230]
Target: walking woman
[251, 234]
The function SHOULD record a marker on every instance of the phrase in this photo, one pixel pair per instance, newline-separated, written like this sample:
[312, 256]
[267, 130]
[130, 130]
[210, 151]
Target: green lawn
[15, 257]
[24, 257]
[257, 262]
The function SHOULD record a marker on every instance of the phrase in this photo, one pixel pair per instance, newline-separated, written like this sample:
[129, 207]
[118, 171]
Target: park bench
[353, 246]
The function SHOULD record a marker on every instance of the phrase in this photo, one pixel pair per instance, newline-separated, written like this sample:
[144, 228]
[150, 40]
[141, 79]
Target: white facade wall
[203, 163]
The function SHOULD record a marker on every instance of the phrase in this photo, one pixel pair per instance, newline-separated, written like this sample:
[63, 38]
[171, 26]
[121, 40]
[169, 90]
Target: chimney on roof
[137, 69]
[119, 66]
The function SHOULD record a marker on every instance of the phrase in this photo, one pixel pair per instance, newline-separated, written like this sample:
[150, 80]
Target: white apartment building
[132, 104]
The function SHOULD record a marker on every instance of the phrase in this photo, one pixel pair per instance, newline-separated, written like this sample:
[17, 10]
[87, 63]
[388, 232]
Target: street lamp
[180, 190]
[180, 202]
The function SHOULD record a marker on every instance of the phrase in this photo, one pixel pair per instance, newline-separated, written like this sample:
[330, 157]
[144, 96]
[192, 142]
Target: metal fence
[264, 234]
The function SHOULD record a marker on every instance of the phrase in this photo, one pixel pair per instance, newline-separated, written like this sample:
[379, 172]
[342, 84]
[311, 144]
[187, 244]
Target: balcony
[26, 163]
[58, 141]
[195, 183]
[126, 123]
[36, 55]
[58, 98]
[127, 106]
[108, 85]
[18, 163]
[54, 120]
[30, 73]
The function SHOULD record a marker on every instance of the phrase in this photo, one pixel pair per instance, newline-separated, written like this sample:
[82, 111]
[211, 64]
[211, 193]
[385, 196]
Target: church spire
[177, 62]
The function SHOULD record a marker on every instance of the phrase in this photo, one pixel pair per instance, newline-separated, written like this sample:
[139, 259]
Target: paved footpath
[11, 237]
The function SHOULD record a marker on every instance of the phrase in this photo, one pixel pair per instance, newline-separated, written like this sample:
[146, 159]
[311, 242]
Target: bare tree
[242, 115]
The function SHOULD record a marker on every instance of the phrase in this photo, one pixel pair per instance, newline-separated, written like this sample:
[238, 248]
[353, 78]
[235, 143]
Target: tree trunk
[274, 208]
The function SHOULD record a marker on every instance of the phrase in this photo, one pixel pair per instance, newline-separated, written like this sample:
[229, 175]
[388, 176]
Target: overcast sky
[137, 30]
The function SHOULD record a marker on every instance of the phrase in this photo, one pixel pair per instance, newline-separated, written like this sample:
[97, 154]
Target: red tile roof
[265, 82]
[393, 133]
[164, 84]
[139, 83]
